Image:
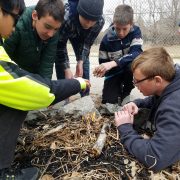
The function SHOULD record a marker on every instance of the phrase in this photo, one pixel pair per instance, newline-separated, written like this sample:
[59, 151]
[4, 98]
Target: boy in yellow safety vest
[21, 91]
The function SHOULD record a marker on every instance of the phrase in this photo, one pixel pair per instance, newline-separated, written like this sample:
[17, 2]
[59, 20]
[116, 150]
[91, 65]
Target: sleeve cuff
[125, 128]
[82, 83]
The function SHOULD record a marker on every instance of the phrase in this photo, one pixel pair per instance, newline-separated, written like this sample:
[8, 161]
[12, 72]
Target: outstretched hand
[100, 70]
[88, 84]
[123, 117]
[103, 68]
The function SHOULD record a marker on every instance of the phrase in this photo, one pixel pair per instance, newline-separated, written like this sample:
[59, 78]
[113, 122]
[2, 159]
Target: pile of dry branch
[75, 149]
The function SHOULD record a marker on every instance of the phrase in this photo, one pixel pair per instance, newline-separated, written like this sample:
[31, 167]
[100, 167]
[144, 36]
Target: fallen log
[98, 146]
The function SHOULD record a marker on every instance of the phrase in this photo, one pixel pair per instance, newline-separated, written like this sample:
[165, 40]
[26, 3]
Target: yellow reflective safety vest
[21, 92]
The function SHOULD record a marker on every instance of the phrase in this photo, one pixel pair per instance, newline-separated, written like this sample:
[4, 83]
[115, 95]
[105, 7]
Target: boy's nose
[51, 33]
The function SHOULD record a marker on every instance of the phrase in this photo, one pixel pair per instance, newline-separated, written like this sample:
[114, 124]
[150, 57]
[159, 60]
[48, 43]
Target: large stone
[77, 108]
[46, 112]
[80, 107]
[109, 109]
[39, 114]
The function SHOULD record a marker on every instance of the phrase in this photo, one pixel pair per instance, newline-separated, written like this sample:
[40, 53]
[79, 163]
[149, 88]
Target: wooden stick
[98, 146]
[55, 129]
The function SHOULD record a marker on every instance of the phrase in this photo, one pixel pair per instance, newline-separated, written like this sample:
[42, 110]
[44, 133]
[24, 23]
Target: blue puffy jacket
[123, 51]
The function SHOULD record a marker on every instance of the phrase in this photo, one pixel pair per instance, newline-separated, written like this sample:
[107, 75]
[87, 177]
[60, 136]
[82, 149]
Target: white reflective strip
[137, 41]
[103, 55]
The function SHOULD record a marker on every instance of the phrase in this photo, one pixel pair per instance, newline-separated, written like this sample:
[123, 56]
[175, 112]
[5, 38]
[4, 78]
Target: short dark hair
[54, 8]
[8, 6]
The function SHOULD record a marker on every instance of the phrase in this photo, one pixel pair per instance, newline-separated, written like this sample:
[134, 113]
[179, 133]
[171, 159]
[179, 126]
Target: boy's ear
[34, 15]
[158, 79]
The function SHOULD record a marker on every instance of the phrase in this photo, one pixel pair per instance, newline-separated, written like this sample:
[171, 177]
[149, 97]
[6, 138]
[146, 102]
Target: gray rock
[39, 114]
[109, 109]
[80, 107]
[77, 108]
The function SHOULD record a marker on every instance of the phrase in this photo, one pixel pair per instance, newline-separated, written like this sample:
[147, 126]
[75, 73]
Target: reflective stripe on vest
[23, 93]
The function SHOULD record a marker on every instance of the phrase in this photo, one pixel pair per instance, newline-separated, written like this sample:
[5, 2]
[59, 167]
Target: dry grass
[67, 153]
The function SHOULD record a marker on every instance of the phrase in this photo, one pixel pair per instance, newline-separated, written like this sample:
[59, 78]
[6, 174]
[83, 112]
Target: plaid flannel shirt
[72, 30]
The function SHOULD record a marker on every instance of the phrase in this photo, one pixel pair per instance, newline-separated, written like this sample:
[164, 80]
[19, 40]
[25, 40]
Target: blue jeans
[86, 65]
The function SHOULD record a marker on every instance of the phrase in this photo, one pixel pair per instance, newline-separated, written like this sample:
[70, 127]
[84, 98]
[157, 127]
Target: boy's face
[85, 23]
[46, 26]
[7, 23]
[122, 30]
[146, 85]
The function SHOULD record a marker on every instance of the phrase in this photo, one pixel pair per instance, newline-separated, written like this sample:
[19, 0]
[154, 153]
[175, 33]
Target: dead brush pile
[68, 148]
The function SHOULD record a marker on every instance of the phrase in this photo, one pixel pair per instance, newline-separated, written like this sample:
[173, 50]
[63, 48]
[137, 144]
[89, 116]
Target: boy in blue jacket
[156, 76]
[120, 46]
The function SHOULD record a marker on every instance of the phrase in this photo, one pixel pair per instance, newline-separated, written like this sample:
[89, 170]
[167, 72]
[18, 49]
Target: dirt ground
[63, 148]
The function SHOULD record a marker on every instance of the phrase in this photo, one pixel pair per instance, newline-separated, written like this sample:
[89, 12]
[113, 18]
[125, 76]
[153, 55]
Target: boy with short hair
[33, 44]
[81, 27]
[21, 91]
[120, 46]
[156, 76]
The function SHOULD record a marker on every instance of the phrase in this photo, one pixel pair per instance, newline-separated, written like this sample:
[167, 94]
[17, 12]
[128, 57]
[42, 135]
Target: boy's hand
[123, 117]
[84, 83]
[68, 74]
[88, 84]
[131, 108]
[103, 68]
[79, 69]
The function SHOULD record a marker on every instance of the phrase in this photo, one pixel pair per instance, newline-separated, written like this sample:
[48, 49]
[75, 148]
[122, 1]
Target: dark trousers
[116, 88]
[10, 123]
